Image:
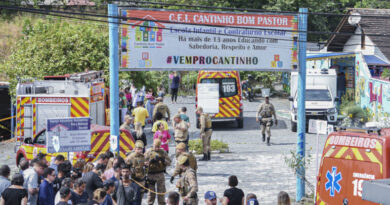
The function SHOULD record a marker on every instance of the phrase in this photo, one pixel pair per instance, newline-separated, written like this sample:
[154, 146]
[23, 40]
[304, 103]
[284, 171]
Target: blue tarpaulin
[374, 60]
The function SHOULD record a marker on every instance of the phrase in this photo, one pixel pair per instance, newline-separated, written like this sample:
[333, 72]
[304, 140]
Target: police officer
[205, 132]
[138, 163]
[265, 111]
[161, 108]
[181, 129]
[158, 160]
[181, 151]
[187, 184]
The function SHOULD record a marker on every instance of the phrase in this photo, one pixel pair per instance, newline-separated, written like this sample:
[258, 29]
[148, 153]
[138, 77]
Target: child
[163, 135]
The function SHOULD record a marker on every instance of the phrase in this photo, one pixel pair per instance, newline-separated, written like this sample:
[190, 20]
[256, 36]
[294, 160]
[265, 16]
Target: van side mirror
[291, 98]
[28, 140]
[336, 99]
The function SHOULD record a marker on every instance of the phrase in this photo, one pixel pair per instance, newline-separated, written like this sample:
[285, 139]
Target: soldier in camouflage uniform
[187, 184]
[205, 132]
[157, 160]
[138, 163]
[161, 108]
[181, 151]
[265, 111]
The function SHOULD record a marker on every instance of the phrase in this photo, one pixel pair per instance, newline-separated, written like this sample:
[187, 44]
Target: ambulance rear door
[51, 107]
[342, 179]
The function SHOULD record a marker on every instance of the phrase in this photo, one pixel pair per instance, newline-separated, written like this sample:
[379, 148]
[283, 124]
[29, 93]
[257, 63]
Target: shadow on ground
[249, 124]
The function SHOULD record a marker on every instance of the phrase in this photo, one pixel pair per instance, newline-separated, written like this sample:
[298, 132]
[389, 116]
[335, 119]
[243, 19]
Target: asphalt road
[261, 169]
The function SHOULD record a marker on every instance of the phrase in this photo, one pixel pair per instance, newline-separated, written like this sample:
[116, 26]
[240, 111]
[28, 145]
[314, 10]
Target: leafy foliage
[197, 146]
[56, 47]
[386, 74]
[355, 116]
[265, 79]
[346, 101]
[295, 163]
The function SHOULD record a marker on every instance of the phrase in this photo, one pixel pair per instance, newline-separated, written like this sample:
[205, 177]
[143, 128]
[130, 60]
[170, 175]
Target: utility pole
[302, 38]
[114, 73]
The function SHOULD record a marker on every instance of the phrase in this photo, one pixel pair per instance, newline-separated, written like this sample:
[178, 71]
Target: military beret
[182, 159]
[139, 144]
[181, 145]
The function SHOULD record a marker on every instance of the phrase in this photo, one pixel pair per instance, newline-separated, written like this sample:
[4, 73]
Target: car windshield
[227, 86]
[318, 95]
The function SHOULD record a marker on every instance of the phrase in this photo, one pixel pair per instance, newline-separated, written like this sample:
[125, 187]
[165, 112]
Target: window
[227, 86]
[318, 95]
[41, 138]
[209, 80]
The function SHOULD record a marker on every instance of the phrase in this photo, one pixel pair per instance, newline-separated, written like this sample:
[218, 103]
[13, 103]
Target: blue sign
[333, 181]
[68, 135]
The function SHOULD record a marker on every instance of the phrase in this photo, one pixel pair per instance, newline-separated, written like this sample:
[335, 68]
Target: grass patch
[216, 145]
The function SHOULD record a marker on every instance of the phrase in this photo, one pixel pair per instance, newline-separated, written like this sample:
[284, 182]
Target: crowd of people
[112, 180]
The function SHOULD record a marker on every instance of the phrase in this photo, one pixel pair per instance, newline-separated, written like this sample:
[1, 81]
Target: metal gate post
[114, 72]
[302, 29]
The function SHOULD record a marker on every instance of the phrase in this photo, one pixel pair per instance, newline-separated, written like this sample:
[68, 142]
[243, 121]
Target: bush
[197, 146]
[386, 74]
[53, 46]
[346, 102]
[355, 116]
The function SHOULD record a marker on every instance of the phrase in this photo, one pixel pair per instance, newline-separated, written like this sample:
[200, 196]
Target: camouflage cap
[182, 159]
[157, 142]
[181, 145]
[199, 109]
[139, 144]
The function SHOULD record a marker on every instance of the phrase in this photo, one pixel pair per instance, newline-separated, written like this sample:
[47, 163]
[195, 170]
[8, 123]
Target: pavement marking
[283, 114]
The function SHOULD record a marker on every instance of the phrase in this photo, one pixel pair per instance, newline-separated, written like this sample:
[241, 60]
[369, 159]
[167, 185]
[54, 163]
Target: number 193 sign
[163, 39]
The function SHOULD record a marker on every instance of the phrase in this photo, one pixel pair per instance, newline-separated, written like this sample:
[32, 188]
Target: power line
[103, 21]
[244, 10]
[250, 9]
[209, 25]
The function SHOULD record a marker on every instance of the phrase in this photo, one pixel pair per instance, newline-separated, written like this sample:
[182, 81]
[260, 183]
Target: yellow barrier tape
[5, 128]
[142, 186]
[7, 118]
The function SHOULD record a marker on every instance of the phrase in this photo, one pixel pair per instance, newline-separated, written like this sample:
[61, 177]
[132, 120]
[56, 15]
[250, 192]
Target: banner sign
[68, 135]
[187, 40]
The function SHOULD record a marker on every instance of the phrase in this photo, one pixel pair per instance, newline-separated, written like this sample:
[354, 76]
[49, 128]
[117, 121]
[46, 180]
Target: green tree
[56, 47]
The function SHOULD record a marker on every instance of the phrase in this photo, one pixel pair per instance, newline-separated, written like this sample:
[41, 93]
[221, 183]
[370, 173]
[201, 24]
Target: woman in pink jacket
[163, 135]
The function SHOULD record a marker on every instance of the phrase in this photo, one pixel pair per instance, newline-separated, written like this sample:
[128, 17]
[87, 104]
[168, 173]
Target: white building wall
[354, 45]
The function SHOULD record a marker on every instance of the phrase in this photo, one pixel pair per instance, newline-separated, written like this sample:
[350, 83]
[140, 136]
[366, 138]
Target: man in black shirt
[93, 180]
[63, 170]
